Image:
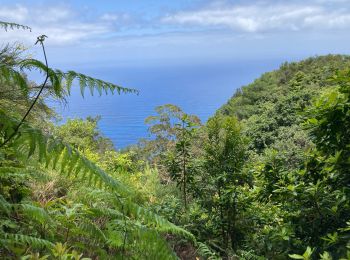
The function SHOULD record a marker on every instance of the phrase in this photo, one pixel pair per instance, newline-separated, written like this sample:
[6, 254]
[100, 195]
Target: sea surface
[198, 89]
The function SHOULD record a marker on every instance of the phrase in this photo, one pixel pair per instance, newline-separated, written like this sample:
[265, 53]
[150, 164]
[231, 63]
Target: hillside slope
[271, 106]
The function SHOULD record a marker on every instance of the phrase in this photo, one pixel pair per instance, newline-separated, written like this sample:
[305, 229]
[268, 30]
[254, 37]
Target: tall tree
[167, 128]
[180, 159]
[224, 155]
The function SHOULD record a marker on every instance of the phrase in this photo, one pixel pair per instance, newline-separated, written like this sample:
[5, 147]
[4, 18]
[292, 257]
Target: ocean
[198, 89]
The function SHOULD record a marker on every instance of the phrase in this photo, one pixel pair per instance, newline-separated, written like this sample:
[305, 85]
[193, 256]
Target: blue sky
[159, 32]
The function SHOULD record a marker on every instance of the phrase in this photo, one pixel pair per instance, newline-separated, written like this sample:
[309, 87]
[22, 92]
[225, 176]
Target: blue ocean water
[197, 89]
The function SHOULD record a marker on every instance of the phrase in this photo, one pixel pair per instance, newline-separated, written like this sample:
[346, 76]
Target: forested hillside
[296, 120]
[270, 107]
[267, 177]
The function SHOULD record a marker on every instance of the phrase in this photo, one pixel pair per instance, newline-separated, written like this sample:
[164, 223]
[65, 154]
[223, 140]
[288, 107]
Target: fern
[12, 77]
[50, 151]
[53, 153]
[134, 211]
[92, 230]
[13, 239]
[12, 26]
[58, 80]
[4, 206]
[142, 228]
[206, 252]
[34, 212]
[33, 64]
[152, 245]
[144, 241]
[91, 83]
[154, 220]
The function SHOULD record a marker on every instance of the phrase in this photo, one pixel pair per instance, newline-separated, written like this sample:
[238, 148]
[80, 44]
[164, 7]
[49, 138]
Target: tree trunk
[184, 165]
[184, 179]
[223, 232]
[233, 224]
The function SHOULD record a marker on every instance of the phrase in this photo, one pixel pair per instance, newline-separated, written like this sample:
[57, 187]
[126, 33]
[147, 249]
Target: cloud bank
[207, 30]
[265, 17]
[61, 23]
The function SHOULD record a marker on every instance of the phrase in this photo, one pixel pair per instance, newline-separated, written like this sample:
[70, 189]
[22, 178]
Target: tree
[83, 135]
[167, 127]
[224, 158]
[326, 173]
[329, 125]
[180, 159]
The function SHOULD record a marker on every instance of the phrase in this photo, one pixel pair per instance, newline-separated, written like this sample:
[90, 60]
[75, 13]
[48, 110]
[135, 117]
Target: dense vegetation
[267, 177]
[60, 193]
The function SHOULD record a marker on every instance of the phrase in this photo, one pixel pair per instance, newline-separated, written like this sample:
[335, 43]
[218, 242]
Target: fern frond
[33, 64]
[11, 76]
[59, 81]
[142, 224]
[152, 245]
[143, 228]
[34, 212]
[93, 230]
[50, 151]
[14, 239]
[144, 216]
[4, 206]
[206, 252]
[12, 26]
[142, 240]
[106, 212]
[91, 83]
[153, 220]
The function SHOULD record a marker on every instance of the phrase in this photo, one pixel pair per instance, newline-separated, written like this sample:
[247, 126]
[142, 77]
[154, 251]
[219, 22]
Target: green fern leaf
[93, 230]
[35, 212]
[5, 206]
[7, 25]
[13, 239]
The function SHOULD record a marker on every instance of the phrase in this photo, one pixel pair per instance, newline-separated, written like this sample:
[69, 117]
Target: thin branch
[40, 40]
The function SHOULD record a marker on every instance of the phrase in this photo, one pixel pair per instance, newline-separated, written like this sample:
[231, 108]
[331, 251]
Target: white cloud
[14, 13]
[52, 14]
[117, 17]
[60, 23]
[109, 17]
[264, 17]
[87, 35]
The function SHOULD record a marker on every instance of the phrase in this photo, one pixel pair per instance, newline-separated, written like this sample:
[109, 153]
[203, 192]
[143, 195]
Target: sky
[163, 33]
